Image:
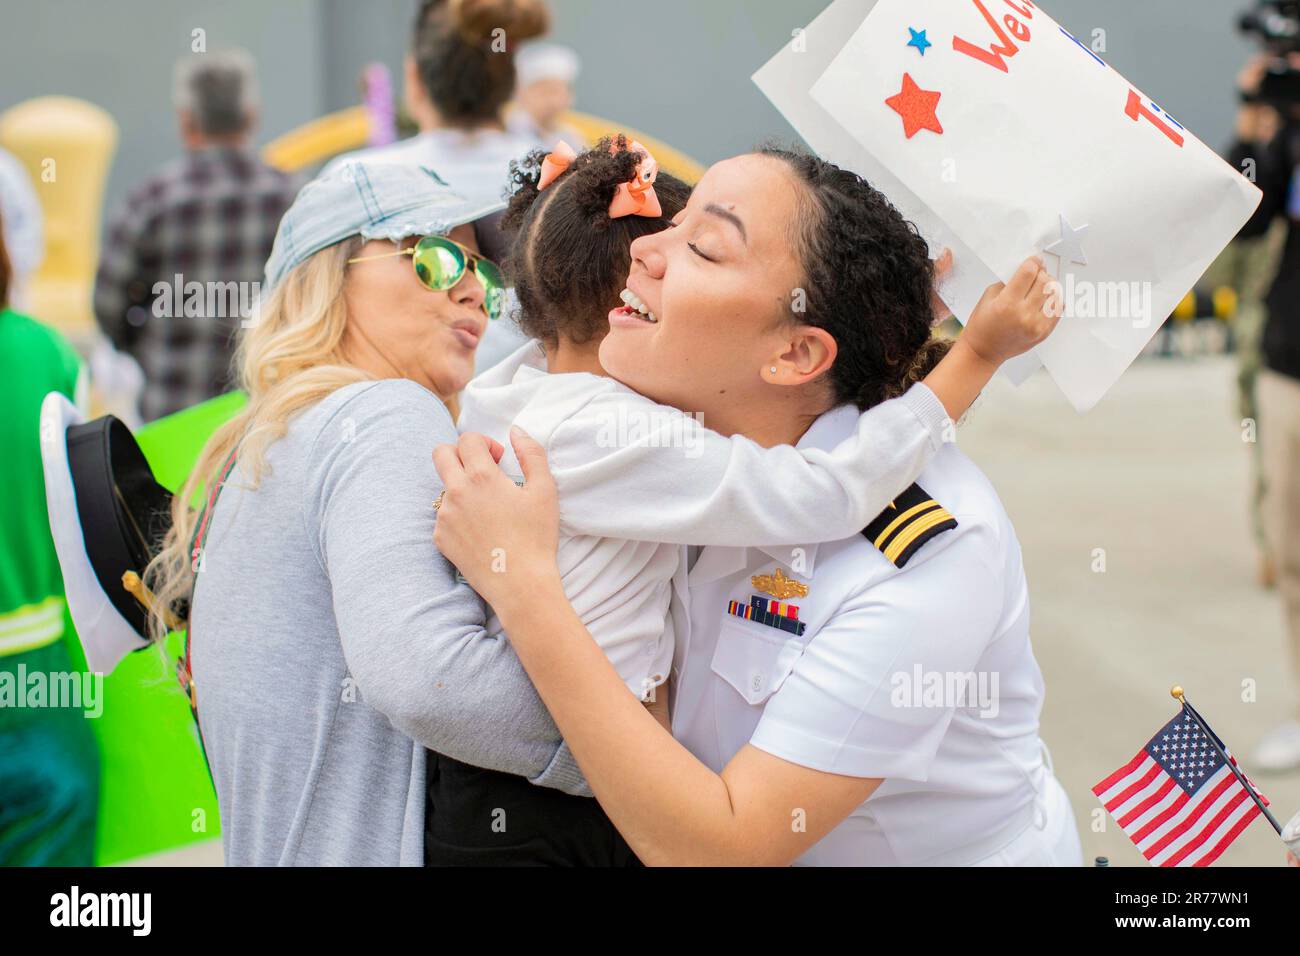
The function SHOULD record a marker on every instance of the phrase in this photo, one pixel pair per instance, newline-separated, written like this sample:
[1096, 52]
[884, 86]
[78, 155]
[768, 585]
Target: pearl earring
[773, 369]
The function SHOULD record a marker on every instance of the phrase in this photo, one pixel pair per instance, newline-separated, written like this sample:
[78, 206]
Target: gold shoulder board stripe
[907, 524]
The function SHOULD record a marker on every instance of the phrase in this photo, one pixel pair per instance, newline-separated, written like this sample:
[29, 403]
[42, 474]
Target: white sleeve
[849, 705]
[648, 472]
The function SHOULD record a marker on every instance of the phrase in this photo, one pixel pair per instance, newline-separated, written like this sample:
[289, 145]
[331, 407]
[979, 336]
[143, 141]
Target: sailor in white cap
[544, 93]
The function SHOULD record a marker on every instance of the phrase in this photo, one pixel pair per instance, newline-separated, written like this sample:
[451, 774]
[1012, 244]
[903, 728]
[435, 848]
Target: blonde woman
[330, 645]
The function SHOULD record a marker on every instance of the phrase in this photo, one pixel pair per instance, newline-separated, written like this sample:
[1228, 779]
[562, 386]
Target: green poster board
[155, 793]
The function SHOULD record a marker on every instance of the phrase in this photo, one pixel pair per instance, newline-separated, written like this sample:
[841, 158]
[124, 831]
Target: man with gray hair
[182, 264]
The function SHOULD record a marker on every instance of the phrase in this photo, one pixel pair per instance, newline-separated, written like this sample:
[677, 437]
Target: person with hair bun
[459, 77]
[853, 681]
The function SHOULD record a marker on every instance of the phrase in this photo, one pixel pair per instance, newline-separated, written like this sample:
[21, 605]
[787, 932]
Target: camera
[1276, 24]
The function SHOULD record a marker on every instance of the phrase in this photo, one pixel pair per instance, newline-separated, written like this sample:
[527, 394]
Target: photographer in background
[1268, 145]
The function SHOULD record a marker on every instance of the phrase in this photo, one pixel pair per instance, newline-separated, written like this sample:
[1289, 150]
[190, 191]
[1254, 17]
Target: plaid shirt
[209, 218]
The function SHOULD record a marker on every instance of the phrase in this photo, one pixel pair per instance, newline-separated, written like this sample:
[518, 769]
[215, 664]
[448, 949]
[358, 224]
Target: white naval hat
[108, 516]
[546, 61]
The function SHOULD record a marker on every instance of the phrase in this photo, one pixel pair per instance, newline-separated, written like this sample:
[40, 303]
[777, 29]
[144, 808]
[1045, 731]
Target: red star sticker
[917, 107]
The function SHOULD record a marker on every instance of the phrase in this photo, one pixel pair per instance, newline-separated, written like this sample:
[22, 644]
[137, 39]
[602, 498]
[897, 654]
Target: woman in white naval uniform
[921, 675]
[874, 702]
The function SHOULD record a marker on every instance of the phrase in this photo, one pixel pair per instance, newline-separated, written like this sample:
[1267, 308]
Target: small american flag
[1178, 800]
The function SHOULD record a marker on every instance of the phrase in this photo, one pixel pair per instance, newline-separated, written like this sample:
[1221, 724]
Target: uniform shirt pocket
[755, 660]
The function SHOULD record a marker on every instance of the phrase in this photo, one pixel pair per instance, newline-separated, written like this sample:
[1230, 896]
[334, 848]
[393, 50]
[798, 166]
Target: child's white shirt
[637, 480]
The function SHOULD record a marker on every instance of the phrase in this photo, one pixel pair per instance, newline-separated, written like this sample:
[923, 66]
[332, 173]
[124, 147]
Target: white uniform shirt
[637, 481]
[860, 692]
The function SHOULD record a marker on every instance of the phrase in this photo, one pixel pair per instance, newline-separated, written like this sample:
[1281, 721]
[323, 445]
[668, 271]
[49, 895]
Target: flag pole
[1176, 692]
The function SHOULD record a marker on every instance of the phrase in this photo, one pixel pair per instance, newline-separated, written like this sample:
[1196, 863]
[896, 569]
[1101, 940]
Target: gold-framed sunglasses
[440, 263]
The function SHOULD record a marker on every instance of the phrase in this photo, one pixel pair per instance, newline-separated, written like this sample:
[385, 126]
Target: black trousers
[477, 817]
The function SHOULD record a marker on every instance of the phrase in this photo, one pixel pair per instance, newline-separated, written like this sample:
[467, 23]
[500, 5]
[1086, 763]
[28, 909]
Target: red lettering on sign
[993, 56]
[1018, 29]
[1136, 109]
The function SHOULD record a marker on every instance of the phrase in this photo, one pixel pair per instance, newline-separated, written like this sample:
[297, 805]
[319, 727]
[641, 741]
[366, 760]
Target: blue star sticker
[919, 40]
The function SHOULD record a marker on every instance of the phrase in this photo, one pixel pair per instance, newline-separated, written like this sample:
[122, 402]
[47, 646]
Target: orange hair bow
[638, 198]
[554, 165]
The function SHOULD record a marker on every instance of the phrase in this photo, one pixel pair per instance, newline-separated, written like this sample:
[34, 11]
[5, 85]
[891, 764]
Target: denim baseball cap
[374, 201]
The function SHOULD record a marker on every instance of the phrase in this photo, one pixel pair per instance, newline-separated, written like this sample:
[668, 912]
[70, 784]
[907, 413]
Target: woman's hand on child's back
[500, 536]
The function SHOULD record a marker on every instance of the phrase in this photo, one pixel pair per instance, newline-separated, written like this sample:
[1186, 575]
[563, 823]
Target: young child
[573, 220]
[638, 481]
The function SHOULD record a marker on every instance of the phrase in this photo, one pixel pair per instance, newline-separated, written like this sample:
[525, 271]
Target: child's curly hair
[568, 260]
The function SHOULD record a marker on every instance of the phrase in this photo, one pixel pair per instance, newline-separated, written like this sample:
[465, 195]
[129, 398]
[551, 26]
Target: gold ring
[437, 502]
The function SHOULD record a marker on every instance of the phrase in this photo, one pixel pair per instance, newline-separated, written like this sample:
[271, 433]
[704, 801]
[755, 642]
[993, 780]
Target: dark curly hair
[868, 281]
[468, 76]
[568, 292]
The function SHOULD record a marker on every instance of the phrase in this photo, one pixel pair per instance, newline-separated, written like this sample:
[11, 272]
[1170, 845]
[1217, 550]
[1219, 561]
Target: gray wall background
[694, 91]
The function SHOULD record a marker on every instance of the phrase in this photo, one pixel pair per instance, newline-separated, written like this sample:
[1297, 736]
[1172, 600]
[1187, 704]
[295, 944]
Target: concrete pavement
[1156, 477]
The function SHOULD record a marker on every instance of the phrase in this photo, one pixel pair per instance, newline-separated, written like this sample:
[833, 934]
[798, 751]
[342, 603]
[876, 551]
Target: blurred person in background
[547, 72]
[24, 231]
[208, 218]
[460, 74]
[49, 765]
[1248, 267]
[1268, 136]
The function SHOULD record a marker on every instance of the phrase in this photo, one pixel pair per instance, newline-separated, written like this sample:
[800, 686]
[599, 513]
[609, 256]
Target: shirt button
[757, 682]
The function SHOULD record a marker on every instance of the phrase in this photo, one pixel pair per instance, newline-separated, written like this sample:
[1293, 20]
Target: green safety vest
[34, 361]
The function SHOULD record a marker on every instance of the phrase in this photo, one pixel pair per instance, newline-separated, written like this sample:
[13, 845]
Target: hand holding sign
[1009, 135]
[1012, 318]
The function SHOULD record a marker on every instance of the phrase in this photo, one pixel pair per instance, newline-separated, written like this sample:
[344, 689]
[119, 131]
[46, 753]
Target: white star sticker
[1070, 246]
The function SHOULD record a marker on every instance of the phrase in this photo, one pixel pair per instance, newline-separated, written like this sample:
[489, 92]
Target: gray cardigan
[332, 644]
